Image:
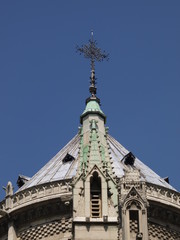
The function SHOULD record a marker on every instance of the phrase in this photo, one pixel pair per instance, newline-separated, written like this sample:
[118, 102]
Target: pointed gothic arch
[95, 195]
[134, 216]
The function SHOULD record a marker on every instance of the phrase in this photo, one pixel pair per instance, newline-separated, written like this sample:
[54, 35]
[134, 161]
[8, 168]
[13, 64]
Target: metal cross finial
[92, 52]
[92, 34]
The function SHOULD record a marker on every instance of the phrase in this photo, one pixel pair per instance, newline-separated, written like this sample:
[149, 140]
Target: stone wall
[45, 212]
[59, 229]
[96, 231]
[157, 232]
[5, 237]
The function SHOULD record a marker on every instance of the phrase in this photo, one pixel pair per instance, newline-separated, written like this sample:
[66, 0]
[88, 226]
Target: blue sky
[44, 82]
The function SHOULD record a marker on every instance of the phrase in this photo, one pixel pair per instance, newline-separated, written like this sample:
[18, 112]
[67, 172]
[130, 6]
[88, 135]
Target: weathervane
[94, 53]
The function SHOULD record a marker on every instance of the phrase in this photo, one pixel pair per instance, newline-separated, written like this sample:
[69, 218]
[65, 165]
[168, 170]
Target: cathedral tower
[92, 189]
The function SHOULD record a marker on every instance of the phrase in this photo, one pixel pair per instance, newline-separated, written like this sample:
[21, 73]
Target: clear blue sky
[44, 83]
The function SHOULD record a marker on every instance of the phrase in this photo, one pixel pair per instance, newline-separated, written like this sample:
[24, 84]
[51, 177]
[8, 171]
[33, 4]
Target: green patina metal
[102, 151]
[94, 154]
[93, 127]
[95, 151]
[81, 149]
[93, 107]
[85, 156]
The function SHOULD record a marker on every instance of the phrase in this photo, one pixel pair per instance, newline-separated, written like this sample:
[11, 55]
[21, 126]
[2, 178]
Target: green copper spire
[94, 152]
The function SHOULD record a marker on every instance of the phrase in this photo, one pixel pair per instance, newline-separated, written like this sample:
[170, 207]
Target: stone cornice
[163, 195]
[39, 193]
[63, 189]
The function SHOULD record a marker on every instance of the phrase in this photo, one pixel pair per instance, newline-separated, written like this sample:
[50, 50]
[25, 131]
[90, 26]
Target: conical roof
[57, 168]
[60, 167]
[93, 146]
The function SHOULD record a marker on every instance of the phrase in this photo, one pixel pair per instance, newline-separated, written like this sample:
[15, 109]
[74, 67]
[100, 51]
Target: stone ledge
[95, 220]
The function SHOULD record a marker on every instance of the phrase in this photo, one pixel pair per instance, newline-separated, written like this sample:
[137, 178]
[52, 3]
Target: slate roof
[61, 167]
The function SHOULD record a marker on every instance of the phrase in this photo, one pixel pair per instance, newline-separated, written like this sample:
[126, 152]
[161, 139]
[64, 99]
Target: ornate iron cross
[92, 52]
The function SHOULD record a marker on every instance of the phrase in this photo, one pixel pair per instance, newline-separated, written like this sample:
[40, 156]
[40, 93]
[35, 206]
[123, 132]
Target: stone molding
[160, 194]
[95, 220]
[37, 194]
[57, 189]
[57, 227]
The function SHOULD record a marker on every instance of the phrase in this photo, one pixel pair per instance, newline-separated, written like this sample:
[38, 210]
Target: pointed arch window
[95, 195]
[134, 208]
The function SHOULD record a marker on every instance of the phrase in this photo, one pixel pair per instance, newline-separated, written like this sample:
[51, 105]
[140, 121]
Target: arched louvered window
[95, 194]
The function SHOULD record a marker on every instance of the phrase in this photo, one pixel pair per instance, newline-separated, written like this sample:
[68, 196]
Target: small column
[11, 232]
[104, 198]
[87, 198]
[125, 224]
[144, 227]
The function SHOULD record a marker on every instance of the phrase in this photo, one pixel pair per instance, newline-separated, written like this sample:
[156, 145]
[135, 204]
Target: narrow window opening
[134, 223]
[95, 193]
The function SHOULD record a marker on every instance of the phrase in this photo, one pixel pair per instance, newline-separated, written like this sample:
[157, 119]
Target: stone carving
[30, 195]
[9, 189]
[133, 198]
[157, 232]
[139, 236]
[163, 194]
[46, 230]
[134, 226]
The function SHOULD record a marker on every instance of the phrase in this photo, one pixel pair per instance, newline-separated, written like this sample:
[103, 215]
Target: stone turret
[95, 195]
